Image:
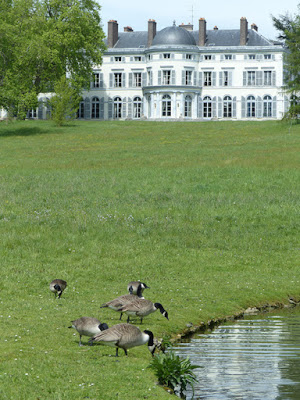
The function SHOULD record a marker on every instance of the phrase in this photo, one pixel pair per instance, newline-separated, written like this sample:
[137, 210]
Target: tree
[64, 102]
[43, 40]
[289, 26]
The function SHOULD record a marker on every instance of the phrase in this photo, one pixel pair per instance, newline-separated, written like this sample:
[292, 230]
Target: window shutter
[214, 78]
[213, 57]
[201, 79]
[286, 104]
[173, 76]
[243, 107]
[221, 78]
[273, 57]
[233, 56]
[110, 108]
[220, 107]
[101, 80]
[201, 57]
[172, 56]
[102, 108]
[274, 107]
[195, 77]
[222, 57]
[259, 107]
[144, 79]
[131, 59]
[200, 107]
[123, 59]
[273, 78]
[111, 82]
[245, 57]
[87, 108]
[244, 78]
[159, 77]
[214, 107]
[259, 78]
[129, 108]
[230, 78]
[160, 56]
[183, 77]
[130, 79]
[111, 59]
[234, 107]
[124, 108]
[151, 77]
[123, 79]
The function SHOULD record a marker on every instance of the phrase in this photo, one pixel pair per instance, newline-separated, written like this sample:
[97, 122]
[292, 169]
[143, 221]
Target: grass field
[207, 214]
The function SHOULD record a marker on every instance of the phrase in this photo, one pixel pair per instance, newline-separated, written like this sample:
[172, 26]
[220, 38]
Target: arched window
[267, 106]
[117, 107]
[207, 107]
[137, 107]
[227, 107]
[166, 106]
[250, 106]
[95, 108]
[188, 106]
[80, 112]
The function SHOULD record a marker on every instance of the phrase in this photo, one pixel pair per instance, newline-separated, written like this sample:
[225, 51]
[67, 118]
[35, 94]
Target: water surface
[257, 358]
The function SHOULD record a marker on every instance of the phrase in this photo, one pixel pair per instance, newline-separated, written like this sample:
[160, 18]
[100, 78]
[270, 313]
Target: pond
[256, 358]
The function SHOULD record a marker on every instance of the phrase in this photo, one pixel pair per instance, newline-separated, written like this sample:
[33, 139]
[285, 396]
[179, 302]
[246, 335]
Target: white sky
[224, 14]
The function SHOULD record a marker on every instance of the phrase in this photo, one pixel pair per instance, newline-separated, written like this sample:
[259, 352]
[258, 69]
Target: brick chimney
[151, 31]
[202, 32]
[128, 29]
[112, 33]
[243, 31]
[254, 27]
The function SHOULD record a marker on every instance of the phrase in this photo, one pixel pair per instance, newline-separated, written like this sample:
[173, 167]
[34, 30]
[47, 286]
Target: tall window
[225, 78]
[207, 107]
[267, 78]
[117, 107]
[207, 78]
[96, 82]
[32, 113]
[188, 77]
[95, 107]
[188, 106]
[118, 79]
[80, 112]
[250, 106]
[137, 79]
[166, 106]
[227, 107]
[166, 77]
[137, 107]
[251, 78]
[267, 106]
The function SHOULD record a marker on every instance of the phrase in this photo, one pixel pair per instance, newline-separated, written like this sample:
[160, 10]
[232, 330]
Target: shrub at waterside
[207, 214]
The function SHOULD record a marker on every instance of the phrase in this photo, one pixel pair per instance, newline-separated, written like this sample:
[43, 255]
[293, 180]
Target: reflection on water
[257, 358]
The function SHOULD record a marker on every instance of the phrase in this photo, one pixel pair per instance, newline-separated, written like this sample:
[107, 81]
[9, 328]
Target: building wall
[216, 73]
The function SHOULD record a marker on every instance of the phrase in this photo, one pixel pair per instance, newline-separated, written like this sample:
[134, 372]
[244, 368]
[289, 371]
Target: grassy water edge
[207, 214]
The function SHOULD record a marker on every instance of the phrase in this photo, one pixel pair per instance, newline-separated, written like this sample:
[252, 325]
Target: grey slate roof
[180, 36]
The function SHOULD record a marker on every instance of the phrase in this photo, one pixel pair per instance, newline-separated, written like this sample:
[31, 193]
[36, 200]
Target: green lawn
[207, 214]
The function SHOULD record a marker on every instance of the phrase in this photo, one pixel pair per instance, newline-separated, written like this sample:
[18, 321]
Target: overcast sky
[223, 14]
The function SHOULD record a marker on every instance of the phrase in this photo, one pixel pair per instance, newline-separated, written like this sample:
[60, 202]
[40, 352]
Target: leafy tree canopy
[43, 40]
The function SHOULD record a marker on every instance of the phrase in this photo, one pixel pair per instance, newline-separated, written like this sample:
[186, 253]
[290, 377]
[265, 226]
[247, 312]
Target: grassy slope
[207, 214]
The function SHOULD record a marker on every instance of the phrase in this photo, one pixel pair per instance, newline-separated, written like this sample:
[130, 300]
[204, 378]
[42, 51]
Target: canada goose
[121, 301]
[58, 286]
[88, 326]
[125, 336]
[135, 284]
[141, 308]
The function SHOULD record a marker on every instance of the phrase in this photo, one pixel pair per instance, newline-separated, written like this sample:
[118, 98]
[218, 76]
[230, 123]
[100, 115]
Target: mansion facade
[179, 73]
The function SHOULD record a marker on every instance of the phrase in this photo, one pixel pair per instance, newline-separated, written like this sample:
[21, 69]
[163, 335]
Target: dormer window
[252, 56]
[138, 58]
[188, 56]
[167, 55]
[207, 57]
[118, 59]
[267, 56]
[228, 56]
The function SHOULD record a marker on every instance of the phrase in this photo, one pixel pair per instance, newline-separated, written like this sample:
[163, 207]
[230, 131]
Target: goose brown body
[57, 286]
[141, 308]
[125, 336]
[88, 326]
